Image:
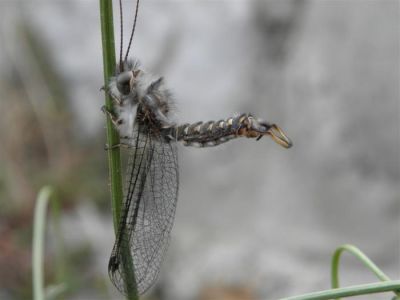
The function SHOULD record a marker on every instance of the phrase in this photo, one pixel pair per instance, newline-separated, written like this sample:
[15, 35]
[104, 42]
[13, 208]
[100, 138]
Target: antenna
[122, 35]
[133, 29]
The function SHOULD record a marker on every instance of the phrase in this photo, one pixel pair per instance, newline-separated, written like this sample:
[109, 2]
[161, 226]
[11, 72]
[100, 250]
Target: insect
[141, 113]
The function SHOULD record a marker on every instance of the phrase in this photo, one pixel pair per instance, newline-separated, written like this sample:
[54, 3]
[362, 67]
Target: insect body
[141, 114]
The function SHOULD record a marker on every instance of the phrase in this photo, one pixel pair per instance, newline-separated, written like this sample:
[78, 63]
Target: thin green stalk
[114, 158]
[59, 253]
[362, 257]
[356, 290]
[39, 224]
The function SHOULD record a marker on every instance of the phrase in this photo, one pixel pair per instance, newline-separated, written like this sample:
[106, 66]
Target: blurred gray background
[254, 221]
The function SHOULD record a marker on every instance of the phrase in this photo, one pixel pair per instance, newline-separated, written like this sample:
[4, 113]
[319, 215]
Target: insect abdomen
[213, 133]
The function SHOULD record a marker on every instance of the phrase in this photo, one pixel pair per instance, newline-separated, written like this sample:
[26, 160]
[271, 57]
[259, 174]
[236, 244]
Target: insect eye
[123, 82]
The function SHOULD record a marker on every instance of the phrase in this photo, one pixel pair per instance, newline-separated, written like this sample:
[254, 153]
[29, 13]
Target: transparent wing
[148, 212]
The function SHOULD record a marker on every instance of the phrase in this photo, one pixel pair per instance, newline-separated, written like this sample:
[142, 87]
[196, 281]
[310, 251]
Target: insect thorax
[139, 97]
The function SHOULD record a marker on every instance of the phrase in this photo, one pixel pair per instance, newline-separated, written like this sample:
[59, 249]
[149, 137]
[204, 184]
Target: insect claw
[107, 90]
[105, 110]
[279, 136]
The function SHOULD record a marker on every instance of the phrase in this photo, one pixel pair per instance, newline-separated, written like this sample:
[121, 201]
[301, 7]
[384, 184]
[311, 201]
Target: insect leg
[114, 119]
[119, 145]
[114, 97]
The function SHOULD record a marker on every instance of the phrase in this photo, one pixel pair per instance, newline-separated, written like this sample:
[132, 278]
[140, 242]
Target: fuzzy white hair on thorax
[135, 90]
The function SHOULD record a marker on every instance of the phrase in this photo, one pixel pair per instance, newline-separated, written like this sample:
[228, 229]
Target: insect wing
[148, 212]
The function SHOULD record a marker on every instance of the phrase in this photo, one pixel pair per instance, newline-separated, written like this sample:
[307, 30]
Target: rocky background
[254, 221]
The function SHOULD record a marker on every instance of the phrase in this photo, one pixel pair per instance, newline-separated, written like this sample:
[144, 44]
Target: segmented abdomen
[213, 133]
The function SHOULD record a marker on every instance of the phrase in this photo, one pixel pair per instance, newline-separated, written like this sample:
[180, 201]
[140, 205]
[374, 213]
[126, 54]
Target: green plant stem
[59, 253]
[363, 289]
[114, 157]
[360, 256]
[39, 224]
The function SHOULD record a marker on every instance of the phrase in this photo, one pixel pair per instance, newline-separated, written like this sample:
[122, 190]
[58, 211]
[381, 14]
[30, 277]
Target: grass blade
[356, 290]
[361, 257]
[39, 225]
